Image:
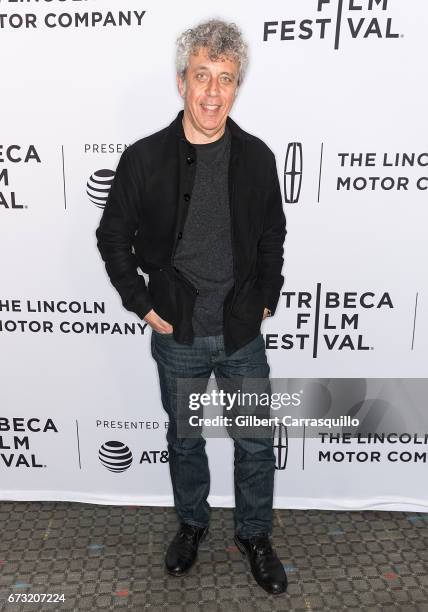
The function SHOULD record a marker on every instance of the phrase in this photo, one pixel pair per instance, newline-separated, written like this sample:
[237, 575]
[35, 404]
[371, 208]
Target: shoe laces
[187, 532]
[261, 544]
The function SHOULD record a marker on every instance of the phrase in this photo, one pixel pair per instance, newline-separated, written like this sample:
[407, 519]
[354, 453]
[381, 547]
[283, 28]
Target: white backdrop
[80, 81]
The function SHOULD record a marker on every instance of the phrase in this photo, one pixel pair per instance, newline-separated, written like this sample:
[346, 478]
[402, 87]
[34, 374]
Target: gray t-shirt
[204, 254]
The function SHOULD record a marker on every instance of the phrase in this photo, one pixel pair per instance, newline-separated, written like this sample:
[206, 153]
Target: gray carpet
[109, 557]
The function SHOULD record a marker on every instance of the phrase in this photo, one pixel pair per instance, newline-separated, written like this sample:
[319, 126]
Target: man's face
[208, 90]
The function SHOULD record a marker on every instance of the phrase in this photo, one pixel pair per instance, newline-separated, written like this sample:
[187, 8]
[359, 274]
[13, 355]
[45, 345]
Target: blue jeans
[254, 460]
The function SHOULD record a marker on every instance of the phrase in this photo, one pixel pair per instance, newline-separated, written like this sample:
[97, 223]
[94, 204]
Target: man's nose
[213, 87]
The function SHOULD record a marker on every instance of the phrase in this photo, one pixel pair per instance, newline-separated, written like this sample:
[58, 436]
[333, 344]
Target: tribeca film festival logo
[117, 457]
[356, 19]
[14, 154]
[98, 186]
[15, 451]
[329, 320]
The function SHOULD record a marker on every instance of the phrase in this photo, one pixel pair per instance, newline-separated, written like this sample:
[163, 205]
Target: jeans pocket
[162, 333]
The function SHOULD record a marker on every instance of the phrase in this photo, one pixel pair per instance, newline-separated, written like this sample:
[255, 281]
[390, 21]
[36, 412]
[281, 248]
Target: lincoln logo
[280, 445]
[115, 456]
[98, 187]
[293, 168]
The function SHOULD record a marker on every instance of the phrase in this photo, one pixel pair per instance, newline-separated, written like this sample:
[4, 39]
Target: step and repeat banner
[336, 89]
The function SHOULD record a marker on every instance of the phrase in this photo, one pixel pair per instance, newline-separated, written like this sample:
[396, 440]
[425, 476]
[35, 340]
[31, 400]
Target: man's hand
[157, 323]
[266, 313]
[163, 327]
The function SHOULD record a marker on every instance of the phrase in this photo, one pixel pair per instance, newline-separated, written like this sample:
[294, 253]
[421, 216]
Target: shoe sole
[243, 551]
[178, 574]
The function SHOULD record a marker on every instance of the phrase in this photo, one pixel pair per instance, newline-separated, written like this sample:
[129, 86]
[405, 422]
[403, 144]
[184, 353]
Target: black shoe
[183, 549]
[266, 568]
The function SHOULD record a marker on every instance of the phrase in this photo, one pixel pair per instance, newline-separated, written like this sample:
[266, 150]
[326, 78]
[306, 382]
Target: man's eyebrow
[202, 67]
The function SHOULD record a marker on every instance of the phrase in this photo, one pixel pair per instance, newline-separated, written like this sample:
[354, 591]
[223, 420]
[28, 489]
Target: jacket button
[197, 291]
[180, 235]
[190, 160]
[160, 269]
[186, 197]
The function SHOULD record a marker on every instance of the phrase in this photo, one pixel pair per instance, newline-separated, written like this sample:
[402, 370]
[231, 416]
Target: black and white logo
[13, 155]
[280, 446]
[115, 456]
[330, 320]
[98, 186]
[293, 168]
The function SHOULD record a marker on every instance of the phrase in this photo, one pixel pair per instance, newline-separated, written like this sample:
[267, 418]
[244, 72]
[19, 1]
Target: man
[197, 206]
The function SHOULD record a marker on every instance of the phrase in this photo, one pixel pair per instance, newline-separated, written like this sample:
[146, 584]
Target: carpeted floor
[108, 557]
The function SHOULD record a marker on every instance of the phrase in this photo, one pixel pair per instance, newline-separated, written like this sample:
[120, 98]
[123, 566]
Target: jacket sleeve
[115, 235]
[271, 242]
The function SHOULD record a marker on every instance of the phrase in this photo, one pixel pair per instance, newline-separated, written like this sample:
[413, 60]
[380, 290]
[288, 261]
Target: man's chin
[209, 124]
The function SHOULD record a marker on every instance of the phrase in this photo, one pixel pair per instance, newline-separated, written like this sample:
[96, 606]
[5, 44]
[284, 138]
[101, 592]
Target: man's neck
[195, 136]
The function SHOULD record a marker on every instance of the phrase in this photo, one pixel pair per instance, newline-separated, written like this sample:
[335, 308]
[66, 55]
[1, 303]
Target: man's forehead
[205, 67]
[201, 60]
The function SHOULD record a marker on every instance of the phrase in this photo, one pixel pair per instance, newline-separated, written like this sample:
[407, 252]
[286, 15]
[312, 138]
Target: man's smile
[211, 107]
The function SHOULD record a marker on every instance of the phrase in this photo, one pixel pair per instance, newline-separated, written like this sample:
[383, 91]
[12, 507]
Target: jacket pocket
[162, 294]
[249, 306]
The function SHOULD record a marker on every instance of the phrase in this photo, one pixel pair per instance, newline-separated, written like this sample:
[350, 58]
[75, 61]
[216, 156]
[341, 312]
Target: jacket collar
[235, 130]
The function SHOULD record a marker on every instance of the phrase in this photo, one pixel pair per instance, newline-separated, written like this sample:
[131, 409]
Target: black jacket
[144, 218]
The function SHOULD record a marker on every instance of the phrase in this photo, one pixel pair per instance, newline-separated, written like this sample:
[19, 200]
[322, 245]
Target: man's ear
[181, 85]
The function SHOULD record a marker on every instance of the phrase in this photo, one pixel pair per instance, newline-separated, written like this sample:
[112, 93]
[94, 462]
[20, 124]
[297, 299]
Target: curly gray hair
[219, 38]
